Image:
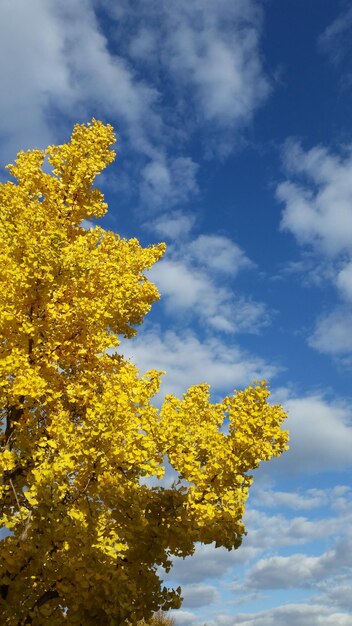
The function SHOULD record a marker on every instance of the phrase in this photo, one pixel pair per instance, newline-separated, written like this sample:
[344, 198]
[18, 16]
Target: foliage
[83, 533]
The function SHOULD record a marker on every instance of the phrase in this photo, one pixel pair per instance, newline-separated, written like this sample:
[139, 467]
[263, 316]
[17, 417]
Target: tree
[83, 533]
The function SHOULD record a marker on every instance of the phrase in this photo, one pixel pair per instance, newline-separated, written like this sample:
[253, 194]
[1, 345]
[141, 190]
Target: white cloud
[311, 499]
[278, 572]
[298, 570]
[267, 534]
[60, 62]
[337, 592]
[318, 212]
[317, 198]
[196, 595]
[143, 45]
[320, 435]
[188, 289]
[189, 361]
[57, 60]
[183, 618]
[33, 72]
[272, 532]
[61, 67]
[310, 270]
[222, 70]
[168, 182]
[335, 41]
[208, 562]
[172, 225]
[218, 253]
[332, 334]
[191, 281]
[103, 79]
[209, 50]
[265, 494]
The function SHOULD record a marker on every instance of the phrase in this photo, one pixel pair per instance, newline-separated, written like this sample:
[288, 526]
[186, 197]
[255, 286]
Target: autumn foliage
[83, 532]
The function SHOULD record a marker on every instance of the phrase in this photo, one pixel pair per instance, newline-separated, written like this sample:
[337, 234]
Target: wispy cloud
[344, 281]
[210, 51]
[190, 293]
[335, 41]
[168, 182]
[270, 498]
[63, 65]
[193, 282]
[288, 614]
[172, 225]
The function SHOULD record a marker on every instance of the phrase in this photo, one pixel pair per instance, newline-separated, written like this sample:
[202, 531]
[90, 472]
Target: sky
[234, 147]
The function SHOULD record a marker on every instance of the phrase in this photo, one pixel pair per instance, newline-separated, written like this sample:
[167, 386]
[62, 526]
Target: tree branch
[48, 595]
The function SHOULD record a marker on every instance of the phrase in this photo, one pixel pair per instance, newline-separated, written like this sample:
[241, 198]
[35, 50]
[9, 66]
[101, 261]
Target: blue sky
[235, 147]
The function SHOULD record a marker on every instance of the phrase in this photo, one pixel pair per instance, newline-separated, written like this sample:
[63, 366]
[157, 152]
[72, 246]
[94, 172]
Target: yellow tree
[83, 533]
